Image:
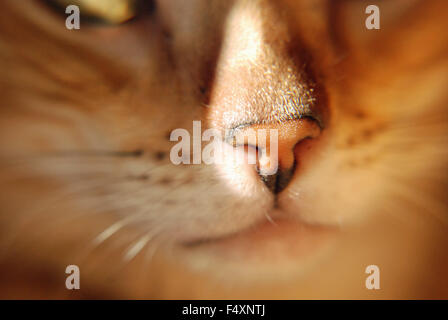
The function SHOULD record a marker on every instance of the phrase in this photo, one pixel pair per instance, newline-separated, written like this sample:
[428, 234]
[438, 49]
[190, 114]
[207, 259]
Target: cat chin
[261, 250]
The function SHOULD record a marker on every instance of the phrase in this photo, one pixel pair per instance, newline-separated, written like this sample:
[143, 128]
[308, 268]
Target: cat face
[87, 177]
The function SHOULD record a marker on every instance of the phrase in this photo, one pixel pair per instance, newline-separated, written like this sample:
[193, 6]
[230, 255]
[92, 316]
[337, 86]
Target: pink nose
[278, 149]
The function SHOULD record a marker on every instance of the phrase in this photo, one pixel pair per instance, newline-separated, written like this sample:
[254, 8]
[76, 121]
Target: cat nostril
[276, 143]
[277, 182]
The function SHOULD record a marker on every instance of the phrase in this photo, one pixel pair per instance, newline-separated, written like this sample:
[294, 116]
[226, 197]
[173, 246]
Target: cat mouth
[279, 239]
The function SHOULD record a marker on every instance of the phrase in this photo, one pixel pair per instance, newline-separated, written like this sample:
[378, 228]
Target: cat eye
[110, 12]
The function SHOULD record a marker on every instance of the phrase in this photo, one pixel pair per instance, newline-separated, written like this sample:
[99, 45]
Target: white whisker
[103, 236]
[137, 247]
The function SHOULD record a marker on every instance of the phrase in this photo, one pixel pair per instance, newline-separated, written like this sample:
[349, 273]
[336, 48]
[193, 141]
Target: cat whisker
[269, 218]
[138, 246]
[110, 231]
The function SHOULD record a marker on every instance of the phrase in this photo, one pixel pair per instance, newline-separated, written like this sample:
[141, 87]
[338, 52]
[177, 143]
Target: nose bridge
[257, 79]
[253, 31]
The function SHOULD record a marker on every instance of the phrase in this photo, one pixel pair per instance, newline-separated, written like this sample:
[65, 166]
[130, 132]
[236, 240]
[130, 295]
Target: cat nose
[276, 145]
[264, 82]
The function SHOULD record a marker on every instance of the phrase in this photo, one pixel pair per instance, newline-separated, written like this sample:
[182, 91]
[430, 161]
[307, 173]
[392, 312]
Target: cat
[85, 143]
